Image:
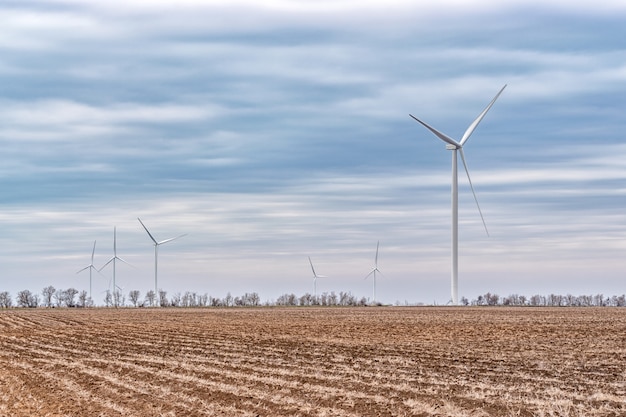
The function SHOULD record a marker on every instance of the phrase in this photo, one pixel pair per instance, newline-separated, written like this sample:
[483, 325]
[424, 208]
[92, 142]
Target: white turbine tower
[315, 277]
[90, 267]
[156, 253]
[455, 146]
[113, 259]
[373, 272]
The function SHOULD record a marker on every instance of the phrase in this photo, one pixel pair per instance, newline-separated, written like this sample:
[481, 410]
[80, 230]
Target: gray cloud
[274, 132]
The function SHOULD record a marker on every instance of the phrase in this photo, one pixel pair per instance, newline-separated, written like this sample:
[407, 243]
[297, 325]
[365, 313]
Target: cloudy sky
[270, 133]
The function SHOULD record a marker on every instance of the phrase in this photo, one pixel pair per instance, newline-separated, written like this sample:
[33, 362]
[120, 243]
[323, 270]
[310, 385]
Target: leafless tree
[47, 294]
[133, 296]
[25, 298]
[150, 297]
[287, 300]
[306, 299]
[83, 299]
[108, 298]
[118, 298]
[175, 301]
[69, 295]
[163, 298]
[228, 300]
[619, 301]
[189, 299]
[5, 300]
[59, 297]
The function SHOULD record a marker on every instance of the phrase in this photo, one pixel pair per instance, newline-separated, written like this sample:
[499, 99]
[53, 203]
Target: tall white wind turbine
[90, 267]
[113, 259]
[156, 253]
[315, 277]
[373, 272]
[455, 146]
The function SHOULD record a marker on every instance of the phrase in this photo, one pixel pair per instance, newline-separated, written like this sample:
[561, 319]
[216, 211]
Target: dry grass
[313, 362]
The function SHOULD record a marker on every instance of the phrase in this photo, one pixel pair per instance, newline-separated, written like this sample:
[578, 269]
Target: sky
[270, 133]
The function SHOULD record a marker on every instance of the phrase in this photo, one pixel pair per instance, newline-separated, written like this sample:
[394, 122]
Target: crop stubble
[313, 362]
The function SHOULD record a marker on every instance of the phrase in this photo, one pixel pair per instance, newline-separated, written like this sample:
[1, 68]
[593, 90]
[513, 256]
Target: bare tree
[5, 300]
[47, 294]
[150, 297]
[108, 298]
[133, 296]
[118, 298]
[25, 298]
[287, 300]
[189, 299]
[163, 298]
[215, 302]
[83, 299]
[176, 300]
[306, 299]
[69, 296]
[59, 297]
[228, 300]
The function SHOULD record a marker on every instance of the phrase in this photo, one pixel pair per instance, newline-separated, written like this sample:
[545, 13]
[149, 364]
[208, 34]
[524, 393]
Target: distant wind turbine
[455, 146]
[113, 259]
[156, 251]
[90, 267]
[373, 272]
[315, 277]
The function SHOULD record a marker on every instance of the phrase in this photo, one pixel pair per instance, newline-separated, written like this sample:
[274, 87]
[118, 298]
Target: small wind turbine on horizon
[315, 277]
[373, 272]
[113, 259]
[91, 267]
[156, 252]
[455, 146]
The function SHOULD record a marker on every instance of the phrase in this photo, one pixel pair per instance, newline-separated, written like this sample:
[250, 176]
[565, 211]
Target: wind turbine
[113, 259]
[90, 267]
[156, 252]
[315, 277]
[373, 272]
[455, 146]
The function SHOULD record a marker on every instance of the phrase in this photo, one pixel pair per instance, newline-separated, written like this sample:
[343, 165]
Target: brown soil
[313, 362]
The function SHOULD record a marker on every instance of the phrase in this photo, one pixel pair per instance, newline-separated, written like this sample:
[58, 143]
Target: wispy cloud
[270, 132]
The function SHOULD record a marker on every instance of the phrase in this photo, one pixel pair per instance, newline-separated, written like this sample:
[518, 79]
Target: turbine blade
[93, 252]
[108, 262]
[147, 231]
[437, 133]
[169, 240]
[471, 127]
[96, 269]
[371, 272]
[312, 269]
[125, 262]
[473, 192]
[376, 258]
[87, 267]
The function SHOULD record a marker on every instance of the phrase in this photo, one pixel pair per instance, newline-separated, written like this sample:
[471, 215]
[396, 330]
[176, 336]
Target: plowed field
[313, 362]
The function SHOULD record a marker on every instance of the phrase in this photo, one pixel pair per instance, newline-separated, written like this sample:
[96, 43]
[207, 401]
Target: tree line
[552, 300]
[51, 297]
